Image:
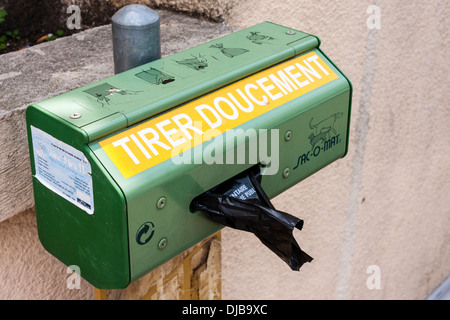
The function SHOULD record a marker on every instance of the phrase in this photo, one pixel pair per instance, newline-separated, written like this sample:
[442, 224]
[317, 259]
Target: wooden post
[100, 294]
[192, 275]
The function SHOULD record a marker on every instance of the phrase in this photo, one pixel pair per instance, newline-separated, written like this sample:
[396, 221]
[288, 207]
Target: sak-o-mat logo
[161, 138]
[323, 137]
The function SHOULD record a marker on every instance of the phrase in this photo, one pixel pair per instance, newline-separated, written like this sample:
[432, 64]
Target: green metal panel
[194, 72]
[96, 243]
[129, 232]
[181, 183]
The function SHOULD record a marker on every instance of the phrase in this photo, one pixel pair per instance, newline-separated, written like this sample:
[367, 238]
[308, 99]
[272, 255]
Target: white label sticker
[63, 169]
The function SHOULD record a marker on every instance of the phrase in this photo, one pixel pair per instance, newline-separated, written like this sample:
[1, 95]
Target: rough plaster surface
[385, 204]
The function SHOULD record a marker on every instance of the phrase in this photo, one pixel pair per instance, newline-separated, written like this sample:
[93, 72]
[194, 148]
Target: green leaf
[2, 46]
[3, 14]
[59, 32]
[16, 32]
[8, 33]
[3, 38]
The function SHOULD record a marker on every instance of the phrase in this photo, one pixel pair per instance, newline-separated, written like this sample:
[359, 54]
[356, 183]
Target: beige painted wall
[385, 204]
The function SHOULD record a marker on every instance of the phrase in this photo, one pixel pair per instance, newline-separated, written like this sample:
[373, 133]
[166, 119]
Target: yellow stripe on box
[159, 139]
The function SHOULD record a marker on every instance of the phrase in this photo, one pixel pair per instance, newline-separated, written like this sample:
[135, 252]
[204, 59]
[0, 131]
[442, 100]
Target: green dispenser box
[117, 163]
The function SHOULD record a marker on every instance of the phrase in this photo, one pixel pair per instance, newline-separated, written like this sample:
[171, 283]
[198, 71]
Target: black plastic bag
[242, 204]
